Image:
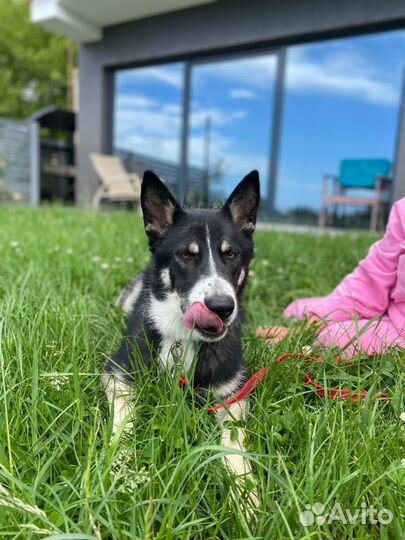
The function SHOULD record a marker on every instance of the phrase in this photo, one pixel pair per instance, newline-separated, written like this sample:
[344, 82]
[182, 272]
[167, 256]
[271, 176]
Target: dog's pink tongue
[199, 316]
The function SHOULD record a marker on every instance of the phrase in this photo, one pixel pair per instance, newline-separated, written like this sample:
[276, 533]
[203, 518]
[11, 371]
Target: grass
[60, 471]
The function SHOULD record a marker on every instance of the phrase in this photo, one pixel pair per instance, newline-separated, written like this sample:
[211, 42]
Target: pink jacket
[376, 288]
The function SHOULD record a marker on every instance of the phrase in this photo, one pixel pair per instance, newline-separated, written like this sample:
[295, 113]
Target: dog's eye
[185, 256]
[230, 254]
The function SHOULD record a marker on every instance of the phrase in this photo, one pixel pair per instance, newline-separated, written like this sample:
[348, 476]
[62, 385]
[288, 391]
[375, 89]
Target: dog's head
[200, 257]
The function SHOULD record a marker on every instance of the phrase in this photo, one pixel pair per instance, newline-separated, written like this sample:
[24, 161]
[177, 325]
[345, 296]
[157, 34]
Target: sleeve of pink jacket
[365, 292]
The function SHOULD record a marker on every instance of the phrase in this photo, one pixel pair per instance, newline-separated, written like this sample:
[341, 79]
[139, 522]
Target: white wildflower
[58, 381]
[117, 259]
[130, 260]
[104, 266]
[265, 262]
[14, 244]
[402, 416]
[69, 251]
[129, 480]
[95, 258]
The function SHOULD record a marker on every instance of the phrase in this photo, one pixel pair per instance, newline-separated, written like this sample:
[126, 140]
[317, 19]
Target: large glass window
[147, 119]
[342, 101]
[230, 125]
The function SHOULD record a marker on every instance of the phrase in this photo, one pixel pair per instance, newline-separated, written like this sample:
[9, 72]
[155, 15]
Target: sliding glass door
[203, 124]
[200, 125]
[147, 119]
[230, 125]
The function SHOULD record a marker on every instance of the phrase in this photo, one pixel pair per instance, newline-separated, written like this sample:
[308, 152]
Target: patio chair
[116, 183]
[358, 174]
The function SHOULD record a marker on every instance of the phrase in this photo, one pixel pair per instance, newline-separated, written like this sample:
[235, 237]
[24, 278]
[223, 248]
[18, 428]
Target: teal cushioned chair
[361, 174]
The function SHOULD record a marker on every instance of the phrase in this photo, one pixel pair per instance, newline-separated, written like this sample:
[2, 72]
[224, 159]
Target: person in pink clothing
[365, 314]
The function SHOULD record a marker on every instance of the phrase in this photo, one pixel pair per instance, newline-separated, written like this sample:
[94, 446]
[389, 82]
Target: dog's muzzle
[200, 317]
[222, 305]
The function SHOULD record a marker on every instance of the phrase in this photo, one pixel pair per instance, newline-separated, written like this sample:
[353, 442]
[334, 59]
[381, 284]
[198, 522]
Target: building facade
[221, 87]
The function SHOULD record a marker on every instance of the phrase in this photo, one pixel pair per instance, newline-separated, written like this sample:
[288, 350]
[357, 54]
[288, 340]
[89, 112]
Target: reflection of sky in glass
[239, 116]
[341, 101]
[147, 112]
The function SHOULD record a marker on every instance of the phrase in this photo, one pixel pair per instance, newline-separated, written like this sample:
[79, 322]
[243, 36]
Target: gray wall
[222, 26]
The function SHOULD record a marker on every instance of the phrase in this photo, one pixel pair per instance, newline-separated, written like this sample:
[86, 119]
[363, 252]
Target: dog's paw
[246, 496]
[253, 499]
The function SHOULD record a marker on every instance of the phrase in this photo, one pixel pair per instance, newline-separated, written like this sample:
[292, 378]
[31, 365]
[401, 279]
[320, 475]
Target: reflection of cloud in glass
[218, 117]
[347, 74]
[333, 67]
[364, 71]
[154, 130]
[166, 74]
[229, 123]
[147, 126]
[150, 127]
[155, 125]
[342, 69]
[242, 93]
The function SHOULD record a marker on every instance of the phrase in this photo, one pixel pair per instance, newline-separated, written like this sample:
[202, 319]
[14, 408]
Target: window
[230, 125]
[342, 101]
[147, 119]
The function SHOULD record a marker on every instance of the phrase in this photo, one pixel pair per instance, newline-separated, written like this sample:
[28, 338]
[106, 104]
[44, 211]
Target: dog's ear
[241, 207]
[160, 209]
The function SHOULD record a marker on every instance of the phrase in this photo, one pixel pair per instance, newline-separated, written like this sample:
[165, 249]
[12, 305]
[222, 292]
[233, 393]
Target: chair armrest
[113, 179]
[134, 178]
[382, 188]
[383, 183]
[325, 184]
[384, 179]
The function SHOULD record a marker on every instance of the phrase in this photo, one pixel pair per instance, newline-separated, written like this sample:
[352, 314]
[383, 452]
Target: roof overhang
[84, 20]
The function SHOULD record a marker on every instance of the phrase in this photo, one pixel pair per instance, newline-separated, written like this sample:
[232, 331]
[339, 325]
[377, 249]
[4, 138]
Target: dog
[189, 300]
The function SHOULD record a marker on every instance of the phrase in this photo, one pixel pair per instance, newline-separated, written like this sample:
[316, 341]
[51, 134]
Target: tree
[32, 63]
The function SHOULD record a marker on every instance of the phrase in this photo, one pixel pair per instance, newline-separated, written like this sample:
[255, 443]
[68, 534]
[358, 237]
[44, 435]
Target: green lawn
[61, 271]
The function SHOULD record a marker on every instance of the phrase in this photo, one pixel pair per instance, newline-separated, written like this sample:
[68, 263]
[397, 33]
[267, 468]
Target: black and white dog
[188, 300]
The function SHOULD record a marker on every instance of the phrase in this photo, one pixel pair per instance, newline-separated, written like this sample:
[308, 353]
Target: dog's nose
[222, 305]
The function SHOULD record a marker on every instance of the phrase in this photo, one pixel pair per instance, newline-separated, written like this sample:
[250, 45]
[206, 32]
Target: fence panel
[14, 161]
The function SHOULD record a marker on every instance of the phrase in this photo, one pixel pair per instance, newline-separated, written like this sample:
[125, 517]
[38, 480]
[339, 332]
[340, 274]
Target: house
[180, 44]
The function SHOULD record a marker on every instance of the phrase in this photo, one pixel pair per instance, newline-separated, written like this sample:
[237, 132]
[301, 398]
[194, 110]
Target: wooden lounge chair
[358, 174]
[116, 183]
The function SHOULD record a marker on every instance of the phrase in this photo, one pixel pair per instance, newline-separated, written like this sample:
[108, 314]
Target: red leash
[333, 393]
[245, 391]
[340, 394]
